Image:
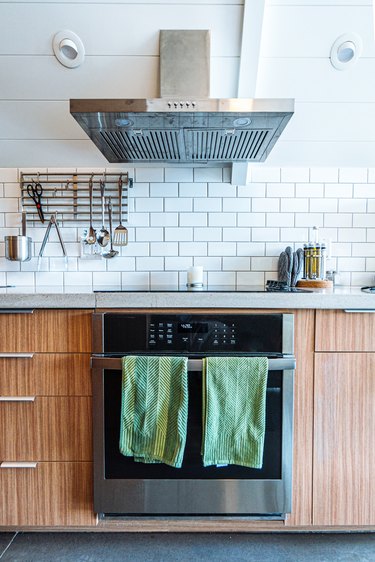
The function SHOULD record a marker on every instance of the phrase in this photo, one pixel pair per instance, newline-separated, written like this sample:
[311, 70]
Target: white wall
[335, 112]
[185, 216]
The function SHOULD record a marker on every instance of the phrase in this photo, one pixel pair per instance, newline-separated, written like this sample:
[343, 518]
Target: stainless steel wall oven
[124, 487]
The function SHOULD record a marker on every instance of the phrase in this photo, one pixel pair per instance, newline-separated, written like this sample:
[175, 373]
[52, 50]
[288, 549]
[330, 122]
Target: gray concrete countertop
[80, 297]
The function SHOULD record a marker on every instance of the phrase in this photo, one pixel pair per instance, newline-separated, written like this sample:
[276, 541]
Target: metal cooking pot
[18, 248]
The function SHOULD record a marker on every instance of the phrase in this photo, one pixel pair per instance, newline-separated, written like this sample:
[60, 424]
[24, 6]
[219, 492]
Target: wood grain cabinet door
[47, 494]
[53, 428]
[337, 330]
[344, 439]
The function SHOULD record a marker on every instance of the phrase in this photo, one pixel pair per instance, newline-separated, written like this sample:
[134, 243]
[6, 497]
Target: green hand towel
[154, 409]
[234, 410]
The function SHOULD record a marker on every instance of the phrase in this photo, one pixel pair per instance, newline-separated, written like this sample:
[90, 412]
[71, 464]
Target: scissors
[35, 191]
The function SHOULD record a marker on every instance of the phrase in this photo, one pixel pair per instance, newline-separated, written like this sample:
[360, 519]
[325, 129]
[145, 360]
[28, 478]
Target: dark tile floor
[161, 547]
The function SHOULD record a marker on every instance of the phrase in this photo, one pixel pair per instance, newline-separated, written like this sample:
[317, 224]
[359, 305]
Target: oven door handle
[115, 363]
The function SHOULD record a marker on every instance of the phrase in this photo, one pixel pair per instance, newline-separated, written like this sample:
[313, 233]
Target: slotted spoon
[120, 234]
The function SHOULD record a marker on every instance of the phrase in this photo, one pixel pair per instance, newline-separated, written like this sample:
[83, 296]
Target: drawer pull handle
[16, 355]
[17, 311]
[364, 310]
[10, 464]
[17, 398]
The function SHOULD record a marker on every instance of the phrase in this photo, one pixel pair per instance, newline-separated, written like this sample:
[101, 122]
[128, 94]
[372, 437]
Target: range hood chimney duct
[183, 126]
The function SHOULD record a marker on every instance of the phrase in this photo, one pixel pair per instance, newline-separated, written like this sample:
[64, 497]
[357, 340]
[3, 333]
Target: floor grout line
[8, 546]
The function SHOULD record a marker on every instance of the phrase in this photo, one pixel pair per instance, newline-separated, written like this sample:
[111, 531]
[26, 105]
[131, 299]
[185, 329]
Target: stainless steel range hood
[183, 128]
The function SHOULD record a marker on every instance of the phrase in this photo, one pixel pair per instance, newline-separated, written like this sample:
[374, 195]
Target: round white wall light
[346, 50]
[68, 49]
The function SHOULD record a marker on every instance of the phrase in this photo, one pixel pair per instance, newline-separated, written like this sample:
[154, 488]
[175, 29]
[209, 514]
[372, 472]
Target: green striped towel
[154, 409]
[234, 410]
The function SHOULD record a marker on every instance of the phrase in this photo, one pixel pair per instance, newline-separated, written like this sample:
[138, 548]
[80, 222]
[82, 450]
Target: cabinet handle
[16, 355]
[17, 398]
[16, 311]
[18, 464]
[363, 310]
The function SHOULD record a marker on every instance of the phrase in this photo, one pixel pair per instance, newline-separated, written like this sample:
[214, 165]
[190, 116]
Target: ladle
[102, 235]
[111, 253]
[91, 238]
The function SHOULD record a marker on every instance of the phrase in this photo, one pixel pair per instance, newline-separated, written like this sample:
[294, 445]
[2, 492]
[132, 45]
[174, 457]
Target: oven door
[125, 487]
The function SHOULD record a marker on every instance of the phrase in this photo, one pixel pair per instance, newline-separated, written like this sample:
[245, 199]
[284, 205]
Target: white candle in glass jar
[195, 275]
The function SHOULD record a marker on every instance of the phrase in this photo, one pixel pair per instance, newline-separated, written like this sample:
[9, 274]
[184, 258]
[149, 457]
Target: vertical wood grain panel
[303, 419]
[49, 374]
[344, 430]
[51, 494]
[48, 429]
[337, 330]
[46, 331]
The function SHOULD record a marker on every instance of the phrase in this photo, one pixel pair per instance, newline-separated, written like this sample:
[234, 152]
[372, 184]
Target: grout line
[9, 545]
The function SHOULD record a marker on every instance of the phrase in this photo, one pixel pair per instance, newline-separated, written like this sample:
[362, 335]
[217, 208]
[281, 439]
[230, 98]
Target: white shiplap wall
[335, 111]
[185, 216]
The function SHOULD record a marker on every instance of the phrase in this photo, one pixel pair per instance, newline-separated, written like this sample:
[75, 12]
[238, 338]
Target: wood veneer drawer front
[46, 429]
[337, 330]
[45, 374]
[46, 331]
[58, 493]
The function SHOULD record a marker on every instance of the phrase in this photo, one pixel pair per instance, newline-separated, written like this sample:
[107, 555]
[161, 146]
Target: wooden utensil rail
[67, 195]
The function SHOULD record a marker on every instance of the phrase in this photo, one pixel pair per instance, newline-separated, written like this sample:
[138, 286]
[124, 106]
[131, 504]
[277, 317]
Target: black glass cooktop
[271, 287]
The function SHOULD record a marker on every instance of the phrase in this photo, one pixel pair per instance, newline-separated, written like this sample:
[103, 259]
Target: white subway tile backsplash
[351, 235]
[182, 234]
[208, 234]
[208, 175]
[362, 279]
[149, 205]
[193, 190]
[193, 219]
[252, 190]
[325, 175]
[236, 234]
[149, 174]
[353, 175]
[323, 205]
[261, 174]
[250, 278]
[209, 204]
[149, 264]
[237, 263]
[178, 174]
[183, 216]
[339, 190]
[310, 190]
[8, 175]
[152, 234]
[164, 219]
[294, 234]
[265, 234]
[295, 175]
[366, 249]
[309, 219]
[235, 205]
[280, 189]
[163, 190]
[251, 219]
[20, 278]
[181, 263]
[250, 248]
[338, 220]
[353, 206]
[280, 219]
[222, 219]
[364, 190]
[221, 248]
[192, 249]
[164, 248]
[351, 264]
[221, 190]
[183, 204]
[266, 205]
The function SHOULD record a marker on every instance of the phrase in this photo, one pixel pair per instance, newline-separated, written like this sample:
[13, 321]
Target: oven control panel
[135, 333]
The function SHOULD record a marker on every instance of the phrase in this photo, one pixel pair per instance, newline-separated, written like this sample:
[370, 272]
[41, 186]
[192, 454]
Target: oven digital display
[192, 328]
